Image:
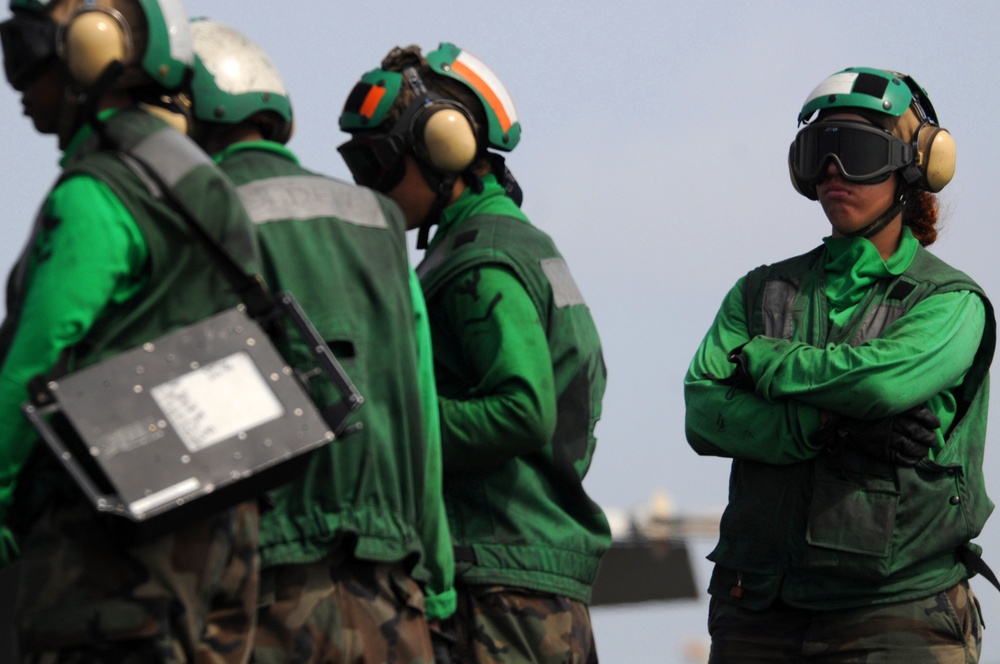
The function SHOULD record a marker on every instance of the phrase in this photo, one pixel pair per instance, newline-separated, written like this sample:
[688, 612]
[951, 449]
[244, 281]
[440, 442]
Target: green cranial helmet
[899, 106]
[374, 96]
[234, 80]
[86, 45]
[877, 90]
[170, 53]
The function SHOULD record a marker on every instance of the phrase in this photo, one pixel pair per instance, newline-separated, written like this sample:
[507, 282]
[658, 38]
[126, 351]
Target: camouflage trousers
[90, 595]
[943, 629]
[507, 625]
[348, 611]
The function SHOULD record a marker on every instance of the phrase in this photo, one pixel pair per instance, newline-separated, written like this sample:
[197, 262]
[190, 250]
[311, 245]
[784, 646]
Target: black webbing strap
[975, 562]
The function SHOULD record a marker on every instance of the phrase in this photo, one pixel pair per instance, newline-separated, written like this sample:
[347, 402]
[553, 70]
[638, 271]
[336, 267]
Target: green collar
[859, 256]
[267, 146]
[491, 200]
[82, 134]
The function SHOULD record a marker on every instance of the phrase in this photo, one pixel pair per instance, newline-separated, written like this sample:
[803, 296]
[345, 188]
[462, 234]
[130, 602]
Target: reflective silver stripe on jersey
[151, 186]
[779, 297]
[171, 155]
[309, 197]
[878, 319]
[564, 289]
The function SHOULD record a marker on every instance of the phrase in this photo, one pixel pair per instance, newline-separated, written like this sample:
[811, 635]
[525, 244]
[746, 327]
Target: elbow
[531, 422]
[699, 443]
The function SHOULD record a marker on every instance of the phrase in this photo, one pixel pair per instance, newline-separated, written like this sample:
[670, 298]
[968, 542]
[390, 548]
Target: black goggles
[863, 153]
[29, 45]
[376, 161]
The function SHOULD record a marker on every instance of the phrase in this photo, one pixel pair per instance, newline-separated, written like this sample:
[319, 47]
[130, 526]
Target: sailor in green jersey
[110, 265]
[344, 547]
[517, 358]
[849, 385]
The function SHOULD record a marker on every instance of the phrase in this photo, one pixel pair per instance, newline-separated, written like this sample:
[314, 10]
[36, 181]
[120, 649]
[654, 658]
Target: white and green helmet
[168, 54]
[234, 79]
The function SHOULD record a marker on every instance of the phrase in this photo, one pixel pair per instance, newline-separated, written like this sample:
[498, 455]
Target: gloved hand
[902, 440]
[442, 642]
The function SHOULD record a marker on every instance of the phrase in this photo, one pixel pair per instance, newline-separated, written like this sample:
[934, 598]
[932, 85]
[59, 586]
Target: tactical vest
[577, 530]
[183, 286]
[341, 251]
[842, 529]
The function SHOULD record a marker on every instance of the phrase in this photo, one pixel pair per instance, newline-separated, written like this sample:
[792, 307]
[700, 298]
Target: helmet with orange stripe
[447, 109]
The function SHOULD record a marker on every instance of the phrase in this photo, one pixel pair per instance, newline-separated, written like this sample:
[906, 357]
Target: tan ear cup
[93, 40]
[449, 140]
[936, 157]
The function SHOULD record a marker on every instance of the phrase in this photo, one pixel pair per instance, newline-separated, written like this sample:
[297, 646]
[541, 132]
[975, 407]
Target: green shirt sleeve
[721, 421]
[441, 599]
[508, 407]
[927, 351]
[90, 254]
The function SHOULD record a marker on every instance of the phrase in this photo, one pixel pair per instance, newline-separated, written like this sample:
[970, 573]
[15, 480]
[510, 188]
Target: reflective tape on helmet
[371, 101]
[175, 20]
[488, 86]
[838, 84]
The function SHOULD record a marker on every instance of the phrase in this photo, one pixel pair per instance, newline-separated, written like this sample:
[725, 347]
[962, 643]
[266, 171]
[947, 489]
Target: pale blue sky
[653, 150]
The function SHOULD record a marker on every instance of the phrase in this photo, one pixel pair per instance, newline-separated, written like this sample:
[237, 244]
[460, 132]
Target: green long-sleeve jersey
[520, 376]
[842, 331]
[340, 250]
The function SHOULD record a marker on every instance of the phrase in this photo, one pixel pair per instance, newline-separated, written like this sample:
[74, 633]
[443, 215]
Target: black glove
[902, 440]
[442, 643]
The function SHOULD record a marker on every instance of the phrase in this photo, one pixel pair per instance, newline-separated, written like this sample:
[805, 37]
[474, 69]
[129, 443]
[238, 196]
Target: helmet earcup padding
[443, 134]
[92, 40]
[448, 140]
[935, 157]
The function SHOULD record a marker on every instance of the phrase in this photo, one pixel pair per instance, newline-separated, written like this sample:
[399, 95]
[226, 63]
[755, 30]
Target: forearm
[495, 377]
[736, 424]
[721, 420]
[480, 433]
[925, 352]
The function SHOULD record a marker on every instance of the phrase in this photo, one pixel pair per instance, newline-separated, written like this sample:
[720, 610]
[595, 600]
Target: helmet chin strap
[443, 184]
[883, 219]
[88, 103]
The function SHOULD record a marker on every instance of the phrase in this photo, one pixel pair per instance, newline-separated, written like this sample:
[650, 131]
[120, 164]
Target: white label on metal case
[217, 401]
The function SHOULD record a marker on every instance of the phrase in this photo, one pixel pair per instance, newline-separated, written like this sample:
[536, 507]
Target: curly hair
[920, 213]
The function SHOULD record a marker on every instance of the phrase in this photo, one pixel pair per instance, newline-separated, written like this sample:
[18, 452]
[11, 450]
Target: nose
[832, 169]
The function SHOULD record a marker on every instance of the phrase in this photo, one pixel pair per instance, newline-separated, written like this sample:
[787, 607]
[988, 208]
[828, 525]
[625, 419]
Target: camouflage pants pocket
[91, 595]
[508, 625]
[942, 629]
[347, 611]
